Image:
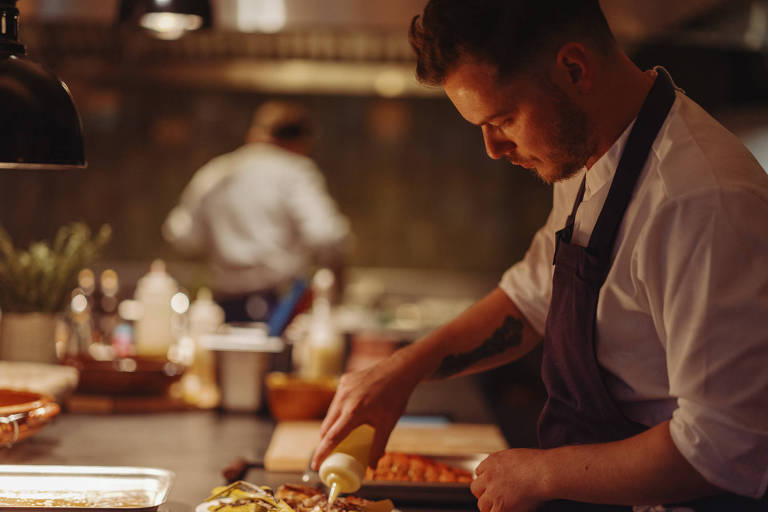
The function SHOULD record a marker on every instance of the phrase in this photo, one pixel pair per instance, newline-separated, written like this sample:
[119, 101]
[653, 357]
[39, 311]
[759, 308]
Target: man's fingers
[483, 466]
[331, 416]
[477, 487]
[379, 445]
[336, 433]
[484, 505]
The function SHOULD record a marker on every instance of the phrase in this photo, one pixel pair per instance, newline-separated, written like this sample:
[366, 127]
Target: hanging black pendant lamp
[166, 19]
[39, 124]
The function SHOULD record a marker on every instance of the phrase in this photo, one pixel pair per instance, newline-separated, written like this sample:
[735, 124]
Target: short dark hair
[282, 121]
[509, 34]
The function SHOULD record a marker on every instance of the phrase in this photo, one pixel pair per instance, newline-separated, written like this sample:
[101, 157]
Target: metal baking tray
[422, 493]
[102, 488]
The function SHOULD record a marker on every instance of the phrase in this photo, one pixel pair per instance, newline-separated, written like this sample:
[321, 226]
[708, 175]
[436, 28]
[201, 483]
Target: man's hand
[376, 396]
[510, 481]
[642, 469]
[488, 334]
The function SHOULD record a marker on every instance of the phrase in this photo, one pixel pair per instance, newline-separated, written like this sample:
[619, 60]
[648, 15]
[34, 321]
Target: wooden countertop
[198, 445]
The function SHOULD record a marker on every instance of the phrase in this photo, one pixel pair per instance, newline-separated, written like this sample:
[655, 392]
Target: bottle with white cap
[324, 351]
[199, 382]
[153, 329]
[205, 316]
[344, 469]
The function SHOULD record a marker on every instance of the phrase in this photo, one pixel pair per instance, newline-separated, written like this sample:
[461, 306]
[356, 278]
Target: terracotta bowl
[130, 376]
[293, 398]
[23, 413]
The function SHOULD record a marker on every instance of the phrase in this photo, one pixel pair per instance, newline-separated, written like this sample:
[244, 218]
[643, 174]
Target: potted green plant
[35, 287]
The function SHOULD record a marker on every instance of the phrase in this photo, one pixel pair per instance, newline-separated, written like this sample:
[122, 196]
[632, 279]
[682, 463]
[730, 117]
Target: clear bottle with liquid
[324, 350]
[344, 469]
[199, 381]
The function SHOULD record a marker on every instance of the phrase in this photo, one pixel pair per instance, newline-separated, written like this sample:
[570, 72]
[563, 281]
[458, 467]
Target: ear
[574, 67]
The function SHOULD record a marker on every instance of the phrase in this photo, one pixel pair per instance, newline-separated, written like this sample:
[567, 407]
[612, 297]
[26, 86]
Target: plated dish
[246, 497]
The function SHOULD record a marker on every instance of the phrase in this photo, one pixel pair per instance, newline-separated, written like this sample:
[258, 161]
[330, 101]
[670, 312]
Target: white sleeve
[183, 230]
[709, 301]
[317, 218]
[185, 227]
[528, 283]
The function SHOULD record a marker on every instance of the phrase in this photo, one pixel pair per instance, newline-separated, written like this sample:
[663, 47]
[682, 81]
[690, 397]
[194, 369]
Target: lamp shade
[166, 19]
[39, 124]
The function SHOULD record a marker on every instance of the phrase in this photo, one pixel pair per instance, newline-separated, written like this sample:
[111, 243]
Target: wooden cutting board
[293, 442]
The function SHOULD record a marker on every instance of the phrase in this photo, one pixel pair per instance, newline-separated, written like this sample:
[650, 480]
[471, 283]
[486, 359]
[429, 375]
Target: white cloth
[682, 319]
[261, 213]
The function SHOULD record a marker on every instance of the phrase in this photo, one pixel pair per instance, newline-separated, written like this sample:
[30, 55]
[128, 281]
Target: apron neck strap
[649, 121]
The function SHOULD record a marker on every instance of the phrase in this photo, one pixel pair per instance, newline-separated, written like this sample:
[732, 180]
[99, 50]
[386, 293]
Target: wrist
[547, 488]
[412, 362]
[420, 360]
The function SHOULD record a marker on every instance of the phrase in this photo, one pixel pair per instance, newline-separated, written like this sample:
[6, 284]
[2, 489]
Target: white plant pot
[28, 337]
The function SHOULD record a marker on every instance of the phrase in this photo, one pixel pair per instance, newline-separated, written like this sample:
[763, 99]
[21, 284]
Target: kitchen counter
[196, 446]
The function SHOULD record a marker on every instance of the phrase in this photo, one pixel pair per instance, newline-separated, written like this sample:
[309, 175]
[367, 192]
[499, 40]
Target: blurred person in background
[261, 215]
[647, 285]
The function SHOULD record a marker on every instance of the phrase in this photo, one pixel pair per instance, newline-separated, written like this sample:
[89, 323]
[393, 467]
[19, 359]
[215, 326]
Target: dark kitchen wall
[410, 174]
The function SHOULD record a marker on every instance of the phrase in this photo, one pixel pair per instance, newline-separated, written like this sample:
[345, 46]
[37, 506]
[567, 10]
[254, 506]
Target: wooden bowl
[293, 398]
[129, 376]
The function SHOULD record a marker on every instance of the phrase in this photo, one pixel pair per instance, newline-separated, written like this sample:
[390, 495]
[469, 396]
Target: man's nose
[496, 144]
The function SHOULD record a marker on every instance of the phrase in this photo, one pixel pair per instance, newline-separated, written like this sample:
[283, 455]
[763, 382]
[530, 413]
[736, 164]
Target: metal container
[104, 488]
[422, 493]
[243, 359]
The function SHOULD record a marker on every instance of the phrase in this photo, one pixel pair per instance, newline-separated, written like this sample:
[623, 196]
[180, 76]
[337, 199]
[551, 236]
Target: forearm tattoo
[509, 335]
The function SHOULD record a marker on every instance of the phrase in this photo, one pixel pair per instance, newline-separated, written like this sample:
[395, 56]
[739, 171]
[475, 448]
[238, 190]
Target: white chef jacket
[261, 213]
[682, 319]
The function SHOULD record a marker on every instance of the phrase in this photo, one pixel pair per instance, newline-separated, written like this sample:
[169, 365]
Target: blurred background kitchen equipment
[244, 356]
[166, 19]
[133, 376]
[154, 327]
[319, 353]
[292, 397]
[47, 379]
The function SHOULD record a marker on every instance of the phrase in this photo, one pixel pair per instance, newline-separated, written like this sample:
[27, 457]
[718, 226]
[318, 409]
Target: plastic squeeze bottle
[199, 381]
[344, 469]
[154, 291]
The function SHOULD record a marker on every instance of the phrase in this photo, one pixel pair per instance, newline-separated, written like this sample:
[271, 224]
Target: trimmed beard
[571, 138]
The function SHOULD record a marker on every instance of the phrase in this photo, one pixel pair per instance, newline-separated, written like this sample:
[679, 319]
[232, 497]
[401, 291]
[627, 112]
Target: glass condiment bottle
[324, 350]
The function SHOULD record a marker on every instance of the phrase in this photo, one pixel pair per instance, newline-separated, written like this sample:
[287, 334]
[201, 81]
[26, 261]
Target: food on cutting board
[402, 467]
[245, 497]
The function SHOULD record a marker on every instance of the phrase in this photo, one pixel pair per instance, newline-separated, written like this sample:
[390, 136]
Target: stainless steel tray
[421, 493]
[104, 488]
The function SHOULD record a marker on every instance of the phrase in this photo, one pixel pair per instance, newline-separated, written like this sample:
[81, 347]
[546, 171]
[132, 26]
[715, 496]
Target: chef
[261, 214]
[647, 286]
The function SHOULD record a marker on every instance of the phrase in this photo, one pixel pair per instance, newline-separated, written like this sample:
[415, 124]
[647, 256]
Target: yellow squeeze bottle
[344, 469]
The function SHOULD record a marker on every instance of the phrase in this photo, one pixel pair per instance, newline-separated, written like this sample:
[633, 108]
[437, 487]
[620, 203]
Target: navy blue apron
[579, 407]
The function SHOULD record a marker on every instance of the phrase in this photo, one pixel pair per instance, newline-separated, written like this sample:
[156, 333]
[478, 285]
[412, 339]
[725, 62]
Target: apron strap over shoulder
[639, 143]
